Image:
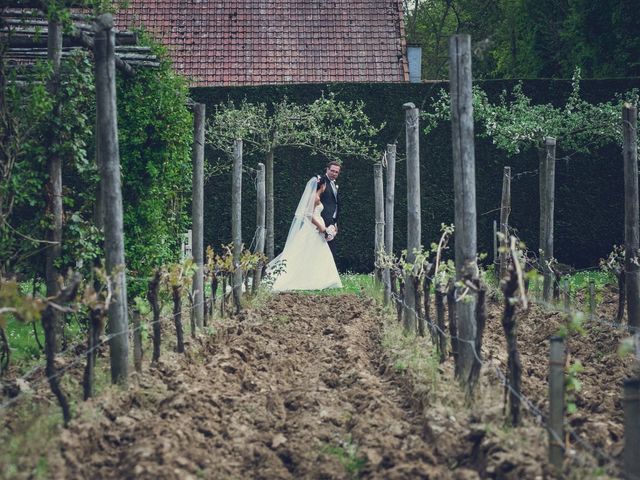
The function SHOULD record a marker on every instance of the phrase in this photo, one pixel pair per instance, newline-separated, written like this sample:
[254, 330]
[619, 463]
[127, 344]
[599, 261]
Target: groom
[329, 199]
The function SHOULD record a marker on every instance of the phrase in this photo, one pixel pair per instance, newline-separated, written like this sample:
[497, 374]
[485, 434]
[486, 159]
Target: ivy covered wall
[589, 197]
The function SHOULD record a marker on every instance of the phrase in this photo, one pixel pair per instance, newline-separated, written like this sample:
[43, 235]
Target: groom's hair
[333, 163]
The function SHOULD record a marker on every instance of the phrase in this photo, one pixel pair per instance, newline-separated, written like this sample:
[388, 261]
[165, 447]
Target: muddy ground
[302, 387]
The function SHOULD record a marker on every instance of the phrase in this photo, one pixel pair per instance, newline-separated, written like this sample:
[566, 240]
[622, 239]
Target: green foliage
[16, 305]
[156, 131]
[529, 38]
[327, 126]
[515, 123]
[573, 325]
[573, 385]
[155, 135]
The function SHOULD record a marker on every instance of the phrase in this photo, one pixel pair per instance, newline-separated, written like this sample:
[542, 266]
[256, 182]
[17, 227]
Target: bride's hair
[322, 180]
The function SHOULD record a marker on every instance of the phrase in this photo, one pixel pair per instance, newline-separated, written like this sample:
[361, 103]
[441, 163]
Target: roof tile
[250, 42]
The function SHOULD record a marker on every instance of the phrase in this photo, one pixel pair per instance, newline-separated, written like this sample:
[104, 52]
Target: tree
[529, 38]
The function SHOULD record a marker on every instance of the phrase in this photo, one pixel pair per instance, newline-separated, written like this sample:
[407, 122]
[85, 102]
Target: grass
[25, 350]
[347, 454]
[352, 284]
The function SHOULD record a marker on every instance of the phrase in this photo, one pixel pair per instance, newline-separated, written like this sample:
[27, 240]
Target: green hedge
[589, 199]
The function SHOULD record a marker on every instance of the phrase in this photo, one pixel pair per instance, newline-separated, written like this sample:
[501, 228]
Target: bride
[306, 262]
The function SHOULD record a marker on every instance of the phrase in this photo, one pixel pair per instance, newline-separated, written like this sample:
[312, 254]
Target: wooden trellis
[24, 32]
[28, 36]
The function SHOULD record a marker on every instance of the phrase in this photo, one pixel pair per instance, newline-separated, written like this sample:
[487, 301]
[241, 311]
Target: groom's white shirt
[335, 194]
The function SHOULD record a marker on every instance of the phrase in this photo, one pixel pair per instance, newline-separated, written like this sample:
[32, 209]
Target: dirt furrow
[291, 390]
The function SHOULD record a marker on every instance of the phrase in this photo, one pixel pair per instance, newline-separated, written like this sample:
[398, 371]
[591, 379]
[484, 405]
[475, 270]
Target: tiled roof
[253, 42]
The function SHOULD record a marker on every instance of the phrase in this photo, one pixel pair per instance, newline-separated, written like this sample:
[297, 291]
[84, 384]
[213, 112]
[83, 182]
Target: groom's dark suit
[330, 202]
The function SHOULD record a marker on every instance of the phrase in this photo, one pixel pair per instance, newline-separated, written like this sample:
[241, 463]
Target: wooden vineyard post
[197, 213]
[496, 254]
[378, 189]
[631, 212]
[236, 222]
[464, 201]
[54, 185]
[260, 223]
[389, 212]
[547, 174]
[269, 204]
[631, 402]
[505, 210]
[556, 403]
[413, 211]
[108, 153]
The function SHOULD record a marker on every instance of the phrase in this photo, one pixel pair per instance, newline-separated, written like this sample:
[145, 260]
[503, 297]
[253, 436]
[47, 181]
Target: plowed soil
[302, 387]
[289, 391]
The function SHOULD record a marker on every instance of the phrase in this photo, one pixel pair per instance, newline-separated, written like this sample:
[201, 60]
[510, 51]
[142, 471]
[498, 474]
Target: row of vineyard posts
[407, 282]
[106, 295]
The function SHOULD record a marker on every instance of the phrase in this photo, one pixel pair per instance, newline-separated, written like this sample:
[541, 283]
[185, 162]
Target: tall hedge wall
[589, 188]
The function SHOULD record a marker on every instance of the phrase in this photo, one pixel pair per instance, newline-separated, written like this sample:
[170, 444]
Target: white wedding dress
[306, 262]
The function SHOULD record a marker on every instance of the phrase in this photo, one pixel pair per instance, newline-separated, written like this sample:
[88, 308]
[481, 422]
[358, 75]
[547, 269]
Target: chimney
[414, 56]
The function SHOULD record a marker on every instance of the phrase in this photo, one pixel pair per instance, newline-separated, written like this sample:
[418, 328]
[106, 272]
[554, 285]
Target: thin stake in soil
[631, 213]
[388, 225]
[556, 402]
